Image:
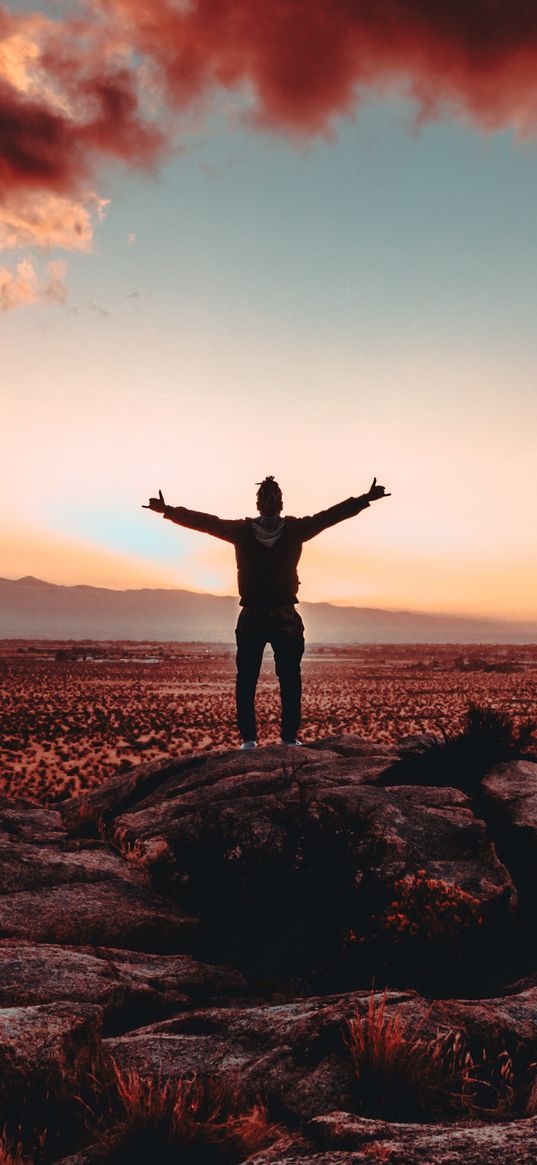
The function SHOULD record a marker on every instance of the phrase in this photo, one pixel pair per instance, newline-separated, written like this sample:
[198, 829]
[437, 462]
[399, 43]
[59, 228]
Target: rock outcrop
[223, 919]
[509, 795]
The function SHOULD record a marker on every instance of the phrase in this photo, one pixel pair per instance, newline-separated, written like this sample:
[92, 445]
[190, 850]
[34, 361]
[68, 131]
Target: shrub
[495, 732]
[488, 738]
[429, 909]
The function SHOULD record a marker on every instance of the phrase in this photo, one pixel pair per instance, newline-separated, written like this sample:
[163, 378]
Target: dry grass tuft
[252, 1130]
[202, 1119]
[10, 1153]
[390, 1067]
[401, 1076]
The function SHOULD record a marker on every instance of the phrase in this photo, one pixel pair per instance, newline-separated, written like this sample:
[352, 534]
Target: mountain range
[33, 609]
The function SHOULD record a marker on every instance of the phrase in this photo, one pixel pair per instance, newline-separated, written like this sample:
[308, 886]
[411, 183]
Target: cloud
[104, 84]
[18, 287]
[49, 220]
[22, 285]
[303, 63]
[114, 81]
[70, 96]
[108, 82]
[54, 287]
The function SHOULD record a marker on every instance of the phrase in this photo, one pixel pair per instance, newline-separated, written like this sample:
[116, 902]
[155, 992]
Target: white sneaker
[248, 744]
[293, 743]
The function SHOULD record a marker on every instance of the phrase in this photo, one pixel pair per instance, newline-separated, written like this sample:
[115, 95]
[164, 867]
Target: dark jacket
[267, 576]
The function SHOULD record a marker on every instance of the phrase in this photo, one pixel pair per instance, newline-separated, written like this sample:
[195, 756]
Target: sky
[297, 238]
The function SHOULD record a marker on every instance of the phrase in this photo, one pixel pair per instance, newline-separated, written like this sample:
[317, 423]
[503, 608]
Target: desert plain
[75, 713]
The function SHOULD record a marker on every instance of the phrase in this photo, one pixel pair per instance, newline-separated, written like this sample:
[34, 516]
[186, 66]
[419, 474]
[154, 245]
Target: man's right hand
[156, 504]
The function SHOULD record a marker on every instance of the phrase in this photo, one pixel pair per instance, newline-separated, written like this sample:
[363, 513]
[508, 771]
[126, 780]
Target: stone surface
[293, 1052]
[21, 819]
[82, 813]
[116, 913]
[55, 889]
[120, 910]
[297, 1052]
[439, 798]
[216, 838]
[415, 1144]
[509, 797]
[34, 1039]
[46, 1053]
[353, 745]
[510, 793]
[245, 794]
[24, 866]
[126, 984]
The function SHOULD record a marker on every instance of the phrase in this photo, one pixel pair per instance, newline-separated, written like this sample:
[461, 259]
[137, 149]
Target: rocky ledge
[283, 955]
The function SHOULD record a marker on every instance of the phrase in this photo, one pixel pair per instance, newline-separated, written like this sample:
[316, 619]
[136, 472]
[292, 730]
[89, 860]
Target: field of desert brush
[73, 714]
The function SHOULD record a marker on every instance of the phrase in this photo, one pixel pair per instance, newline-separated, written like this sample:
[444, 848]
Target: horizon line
[345, 605]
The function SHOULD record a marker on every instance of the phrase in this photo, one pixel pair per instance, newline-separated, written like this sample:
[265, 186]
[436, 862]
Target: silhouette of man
[267, 549]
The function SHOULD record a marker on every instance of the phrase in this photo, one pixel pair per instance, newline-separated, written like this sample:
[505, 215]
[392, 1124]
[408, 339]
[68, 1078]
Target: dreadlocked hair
[269, 488]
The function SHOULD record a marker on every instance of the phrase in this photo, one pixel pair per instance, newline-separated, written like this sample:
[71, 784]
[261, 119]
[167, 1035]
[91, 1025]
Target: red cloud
[35, 145]
[108, 83]
[69, 96]
[77, 92]
[308, 61]
[46, 148]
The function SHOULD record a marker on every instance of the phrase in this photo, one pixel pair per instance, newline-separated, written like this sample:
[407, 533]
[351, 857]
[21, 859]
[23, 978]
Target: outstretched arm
[311, 526]
[193, 520]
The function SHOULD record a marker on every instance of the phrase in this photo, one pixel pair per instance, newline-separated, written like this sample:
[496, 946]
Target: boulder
[509, 797]
[154, 783]
[56, 889]
[296, 1055]
[292, 1054]
[285, 851]
[22, 819]
[82, 813]
[34, 1041]
[438, 798]
[390, 832]
[47, 1054]
[122, 913]
[128, 985]
[27, 866]
[252, 796]
[346, 1138]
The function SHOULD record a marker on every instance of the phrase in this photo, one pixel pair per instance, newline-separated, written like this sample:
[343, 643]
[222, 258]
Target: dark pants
[283, 628]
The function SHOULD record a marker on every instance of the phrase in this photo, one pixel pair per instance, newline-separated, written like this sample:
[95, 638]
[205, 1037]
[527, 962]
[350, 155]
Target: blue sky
[326, 310]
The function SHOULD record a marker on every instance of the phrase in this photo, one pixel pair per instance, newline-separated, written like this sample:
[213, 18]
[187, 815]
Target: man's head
[269, 498]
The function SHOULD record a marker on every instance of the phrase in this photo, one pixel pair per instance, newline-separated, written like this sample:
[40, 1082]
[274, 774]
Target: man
[267, 550]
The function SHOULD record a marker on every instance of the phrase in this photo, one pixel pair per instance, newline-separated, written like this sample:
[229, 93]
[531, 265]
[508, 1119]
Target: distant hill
[33, 609]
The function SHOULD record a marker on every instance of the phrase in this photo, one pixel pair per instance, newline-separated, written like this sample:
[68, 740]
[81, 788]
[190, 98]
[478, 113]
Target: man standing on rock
[267, 549]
